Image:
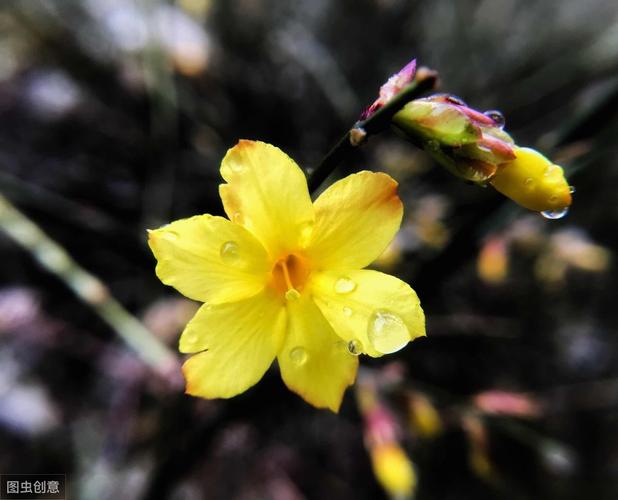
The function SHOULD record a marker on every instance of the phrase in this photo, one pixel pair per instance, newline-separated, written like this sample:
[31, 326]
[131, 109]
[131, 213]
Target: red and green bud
[439, 121]
[473, 146]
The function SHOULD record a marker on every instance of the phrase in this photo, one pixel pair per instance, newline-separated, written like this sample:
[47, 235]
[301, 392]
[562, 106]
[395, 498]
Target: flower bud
[423, 416]
[473, 146]
[394, 470]
[534, 182]
[468, 143]
[395, 84]
[439, 121]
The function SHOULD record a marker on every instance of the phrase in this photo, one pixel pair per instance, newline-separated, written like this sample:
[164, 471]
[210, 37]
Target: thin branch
[376, 123]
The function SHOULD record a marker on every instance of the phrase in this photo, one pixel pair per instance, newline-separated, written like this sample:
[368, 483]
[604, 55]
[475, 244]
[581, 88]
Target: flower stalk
[376, 119]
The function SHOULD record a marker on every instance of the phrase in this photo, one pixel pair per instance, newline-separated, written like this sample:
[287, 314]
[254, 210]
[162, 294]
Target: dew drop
[497, 117]
[229, 252]
[529, 183]
[191, 338]
[387, 332]
[236, 167]
[299, 356]
[355, 347]
[555, 214]
[571, 189]
[237, 218]
[553, 199]
[306, 231]
[344, 285]
[552, 170]
[347, 312]
[170, 235]
[292, 294]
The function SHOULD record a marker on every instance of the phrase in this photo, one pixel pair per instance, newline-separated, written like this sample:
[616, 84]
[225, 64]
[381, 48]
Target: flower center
[289, 276]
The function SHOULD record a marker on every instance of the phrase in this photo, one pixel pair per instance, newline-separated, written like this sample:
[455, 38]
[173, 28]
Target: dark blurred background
[114, 117]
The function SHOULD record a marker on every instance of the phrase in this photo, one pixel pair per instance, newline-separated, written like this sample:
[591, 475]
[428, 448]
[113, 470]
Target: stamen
[292, 293]
[286, 275]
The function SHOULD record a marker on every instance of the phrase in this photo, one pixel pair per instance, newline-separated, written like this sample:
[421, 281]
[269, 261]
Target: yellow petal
[267, 193]
[378, 312]
[209, 259]
[314, 362]
[356, 219]
[532, 181]
[240, 340]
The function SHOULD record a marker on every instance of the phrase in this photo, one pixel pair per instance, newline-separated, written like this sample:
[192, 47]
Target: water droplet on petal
[170, 235]
[529, 183]
[299, 356]
[552, 170]
[497, 117]
[355, 347]
[555, 214]
[191, 337]
[347, 311]
[236, 167]
[229, 252]
[571, 189]
[344, 285]
[306, 231]
[292, 294]
[387, 332]
[237, 218]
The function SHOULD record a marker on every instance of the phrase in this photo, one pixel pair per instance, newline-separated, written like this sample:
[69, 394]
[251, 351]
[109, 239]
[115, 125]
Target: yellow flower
[283, 278]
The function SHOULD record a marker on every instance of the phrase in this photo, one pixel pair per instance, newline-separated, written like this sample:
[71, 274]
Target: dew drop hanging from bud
[497, 117]
[555, 214]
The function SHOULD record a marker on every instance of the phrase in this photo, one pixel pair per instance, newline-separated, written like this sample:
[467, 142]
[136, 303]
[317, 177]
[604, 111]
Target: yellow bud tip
[393, 469]
[533, 181]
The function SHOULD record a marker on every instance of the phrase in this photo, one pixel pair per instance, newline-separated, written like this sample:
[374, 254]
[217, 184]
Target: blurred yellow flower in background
[283, 278]
[394, 470]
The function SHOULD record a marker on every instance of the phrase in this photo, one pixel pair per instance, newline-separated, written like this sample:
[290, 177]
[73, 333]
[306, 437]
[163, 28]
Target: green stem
[375, 124]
